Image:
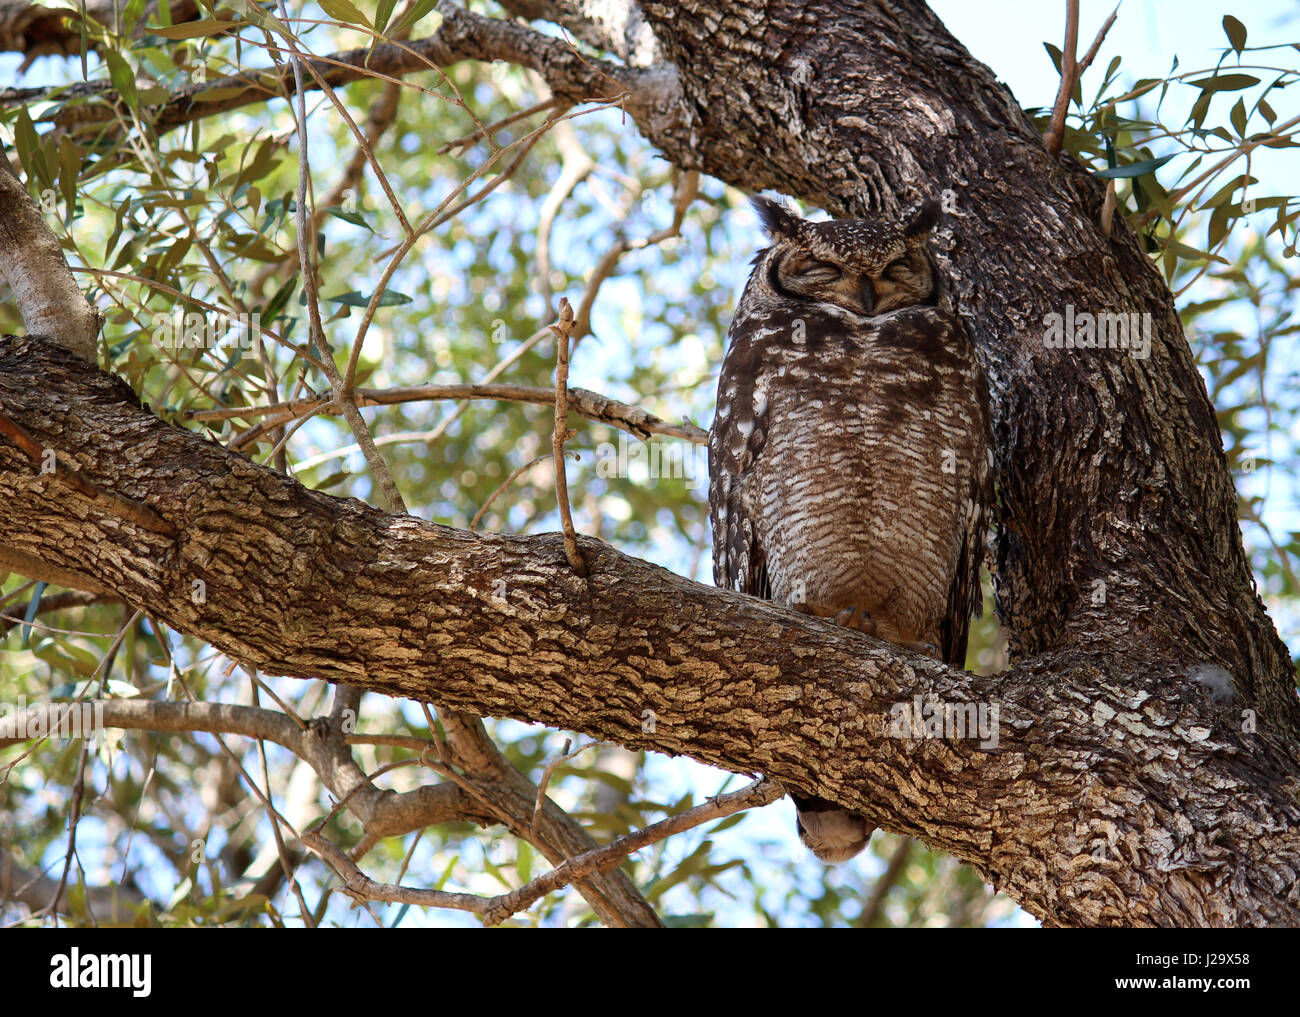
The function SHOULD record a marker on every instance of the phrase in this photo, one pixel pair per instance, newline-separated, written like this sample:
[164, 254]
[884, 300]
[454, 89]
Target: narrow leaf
[1235, 31]
[1134, 169]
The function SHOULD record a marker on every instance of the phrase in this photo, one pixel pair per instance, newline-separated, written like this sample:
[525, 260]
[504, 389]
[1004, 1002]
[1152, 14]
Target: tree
[1145, 766]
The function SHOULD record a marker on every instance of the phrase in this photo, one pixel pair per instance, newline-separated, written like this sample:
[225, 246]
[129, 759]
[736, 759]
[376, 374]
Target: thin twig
[1091, 55]
[563, 330]
[487, 131]
[1056, 130]
[551, 767]
[688, 185]
[585, 403]
[514, 475]
[495, 910]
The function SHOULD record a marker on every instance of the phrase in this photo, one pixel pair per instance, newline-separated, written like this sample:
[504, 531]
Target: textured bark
[1115, 795]
[1110, 468]
[32, 263]
[37, 30]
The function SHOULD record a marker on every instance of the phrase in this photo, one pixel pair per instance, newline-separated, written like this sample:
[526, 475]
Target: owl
[850, 463]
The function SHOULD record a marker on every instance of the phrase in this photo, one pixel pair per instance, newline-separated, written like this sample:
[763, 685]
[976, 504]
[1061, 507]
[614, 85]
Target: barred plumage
[850, 456]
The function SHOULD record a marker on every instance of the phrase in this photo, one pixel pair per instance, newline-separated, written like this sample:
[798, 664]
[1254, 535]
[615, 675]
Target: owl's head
[867, 266]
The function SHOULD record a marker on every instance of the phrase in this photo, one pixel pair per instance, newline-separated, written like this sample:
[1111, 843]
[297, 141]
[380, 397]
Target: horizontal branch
[1047, 796]
[591, 405]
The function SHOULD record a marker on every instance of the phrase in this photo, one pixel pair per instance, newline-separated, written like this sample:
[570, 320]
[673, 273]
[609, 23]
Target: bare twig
[1056, 130]
[551, 767]
[583, 402]
[1071, 71]
[885, 882]
[487, 131]
[495, 910]
[575, 168]
[514, 475]
[688, 185]
[563, 330]
[1091, 55]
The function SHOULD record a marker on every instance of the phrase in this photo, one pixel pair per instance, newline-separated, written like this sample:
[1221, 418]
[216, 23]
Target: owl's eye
[897, 271]
[820, 271]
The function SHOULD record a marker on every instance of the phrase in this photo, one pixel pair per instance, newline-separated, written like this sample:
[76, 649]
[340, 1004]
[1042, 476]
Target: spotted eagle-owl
[849, 459]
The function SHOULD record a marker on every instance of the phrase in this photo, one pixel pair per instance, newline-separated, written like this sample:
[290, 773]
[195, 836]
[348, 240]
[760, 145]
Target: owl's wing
[736, 440]
[965, 596]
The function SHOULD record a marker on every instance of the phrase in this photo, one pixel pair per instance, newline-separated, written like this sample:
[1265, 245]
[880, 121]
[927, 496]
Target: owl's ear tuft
[921, 219]
[776, 219]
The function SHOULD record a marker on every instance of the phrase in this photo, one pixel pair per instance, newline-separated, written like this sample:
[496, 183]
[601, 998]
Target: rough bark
[37, 30]
[1115, 794]
[1110, 468]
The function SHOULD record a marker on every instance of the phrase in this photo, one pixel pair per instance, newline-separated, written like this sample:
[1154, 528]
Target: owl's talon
[926, 649]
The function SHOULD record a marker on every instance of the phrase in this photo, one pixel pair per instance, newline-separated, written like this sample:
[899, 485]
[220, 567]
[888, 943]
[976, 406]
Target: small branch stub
[563, 332]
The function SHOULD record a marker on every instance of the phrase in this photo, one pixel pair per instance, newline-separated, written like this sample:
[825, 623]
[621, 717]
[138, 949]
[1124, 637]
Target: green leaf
[1134, 169]
[1141, 87]
[383, 12]
[413, 15]
[30, 150]
[69, 168]
[193, 29]
[33, 606]
[343, 10]
[698, 921]
[1218, 226]
[729, 822]
[331, 481]
[123, 78]
[1238, 117]
[1225, 82]
[1235, 31]
[1200, 108]
[524, 861]
[355, 218]
[1266, 111]
[1226, 191]
[1055, 54]
[1189, 253]
[218, 94]
[358, 299]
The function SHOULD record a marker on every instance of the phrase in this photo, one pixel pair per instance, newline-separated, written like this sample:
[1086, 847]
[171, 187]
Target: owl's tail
[832, 834]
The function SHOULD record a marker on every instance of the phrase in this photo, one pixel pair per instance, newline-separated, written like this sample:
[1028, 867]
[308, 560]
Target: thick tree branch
[34, 267]
[1138, 797]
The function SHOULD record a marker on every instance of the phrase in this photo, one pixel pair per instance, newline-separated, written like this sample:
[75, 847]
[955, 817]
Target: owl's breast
[858, 496]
